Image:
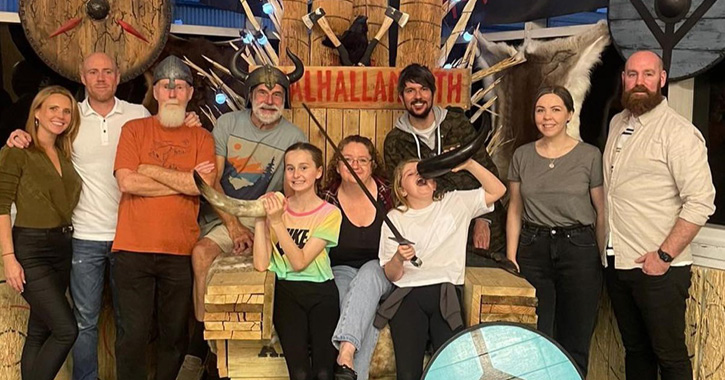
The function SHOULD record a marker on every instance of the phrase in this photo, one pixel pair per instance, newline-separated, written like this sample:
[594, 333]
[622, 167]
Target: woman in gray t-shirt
[555, 225]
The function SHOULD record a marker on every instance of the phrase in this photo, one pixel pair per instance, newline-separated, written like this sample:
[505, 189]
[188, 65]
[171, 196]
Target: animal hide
[566, 62]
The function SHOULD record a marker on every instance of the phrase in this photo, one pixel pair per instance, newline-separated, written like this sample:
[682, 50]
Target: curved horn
[236, 72]
[236, 207]
[299, 70]
[439, 165]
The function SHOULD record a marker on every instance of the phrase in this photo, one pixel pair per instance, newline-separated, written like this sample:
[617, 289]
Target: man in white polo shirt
[94, 219]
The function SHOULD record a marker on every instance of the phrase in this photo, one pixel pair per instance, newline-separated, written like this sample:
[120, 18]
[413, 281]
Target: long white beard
[266, 118]
[172, 115]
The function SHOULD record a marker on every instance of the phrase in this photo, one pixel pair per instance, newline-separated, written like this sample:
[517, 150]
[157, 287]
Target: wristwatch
[664, 256]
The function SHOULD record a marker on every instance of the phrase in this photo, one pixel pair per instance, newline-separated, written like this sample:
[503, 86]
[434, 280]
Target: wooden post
[339, 16]
[375, 12]
[420, 40]
[294, 33]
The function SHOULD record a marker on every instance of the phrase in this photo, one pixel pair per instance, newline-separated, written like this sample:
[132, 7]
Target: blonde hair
[401, 203]
[64, 141]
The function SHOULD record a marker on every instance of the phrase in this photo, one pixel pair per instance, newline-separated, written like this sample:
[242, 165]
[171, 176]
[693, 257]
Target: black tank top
[357, 245]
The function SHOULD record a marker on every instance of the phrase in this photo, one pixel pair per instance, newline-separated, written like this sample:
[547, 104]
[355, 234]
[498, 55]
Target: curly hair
[334, 177]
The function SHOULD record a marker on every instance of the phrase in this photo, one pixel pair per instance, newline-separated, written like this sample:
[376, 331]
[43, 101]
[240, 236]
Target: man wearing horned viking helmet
[250, 145]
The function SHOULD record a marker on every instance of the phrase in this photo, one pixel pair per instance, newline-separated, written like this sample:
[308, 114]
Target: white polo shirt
[94, 151]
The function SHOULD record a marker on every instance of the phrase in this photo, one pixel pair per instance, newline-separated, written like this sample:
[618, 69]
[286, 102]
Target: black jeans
[148, 282]
[305, 316]
[650, 312]
[564, 265]
[418, 320]
[45, 255]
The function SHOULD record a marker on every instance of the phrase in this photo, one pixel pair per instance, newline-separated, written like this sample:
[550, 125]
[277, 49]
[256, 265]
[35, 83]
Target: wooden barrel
[375, 12]
[294, 32]
[14, 312]
[339, 16]
[420, 40]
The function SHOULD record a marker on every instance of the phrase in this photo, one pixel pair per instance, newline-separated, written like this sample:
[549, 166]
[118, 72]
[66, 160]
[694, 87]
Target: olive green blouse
[43, 198]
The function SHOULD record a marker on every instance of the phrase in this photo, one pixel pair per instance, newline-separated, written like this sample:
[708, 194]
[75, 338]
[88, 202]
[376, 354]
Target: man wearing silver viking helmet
[94, 218]
[157, 225]
[250, 145]
[427, 130]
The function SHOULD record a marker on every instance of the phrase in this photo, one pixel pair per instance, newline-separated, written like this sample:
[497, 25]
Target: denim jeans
[360, 292]
[88, 271]
[565, 267]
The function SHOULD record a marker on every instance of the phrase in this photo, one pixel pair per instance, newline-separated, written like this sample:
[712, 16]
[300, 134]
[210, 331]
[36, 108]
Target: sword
[397, 236]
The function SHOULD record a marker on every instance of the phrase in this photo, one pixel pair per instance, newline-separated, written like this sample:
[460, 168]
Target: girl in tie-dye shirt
[293, 241]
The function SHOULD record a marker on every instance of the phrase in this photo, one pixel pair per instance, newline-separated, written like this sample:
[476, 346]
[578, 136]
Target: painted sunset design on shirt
[249, 167]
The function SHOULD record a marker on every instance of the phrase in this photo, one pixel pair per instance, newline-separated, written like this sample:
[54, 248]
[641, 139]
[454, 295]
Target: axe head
[398, 16]
[311, 18]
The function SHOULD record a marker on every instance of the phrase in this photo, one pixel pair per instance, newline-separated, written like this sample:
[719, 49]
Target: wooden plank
[246, 335]
[368, 120]
[471, 301]
[216, 317]
[232, 299]
[302, 121]
[221, 355]
[334, 129]
[268, 311]
[236, 283]
[507, 309]
[216, 308]
[214, 326]
[241, 326]
[254, 316]
[518, 318]
[316, 137]
[384, 124]
[498, 282]
[217, 335]
[351, 123]
[254, 360]
[509, 300]
[249, 307]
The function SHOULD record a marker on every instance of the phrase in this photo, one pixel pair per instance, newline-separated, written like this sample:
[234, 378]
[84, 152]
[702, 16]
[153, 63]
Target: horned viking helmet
[173, 68]
[267, 75]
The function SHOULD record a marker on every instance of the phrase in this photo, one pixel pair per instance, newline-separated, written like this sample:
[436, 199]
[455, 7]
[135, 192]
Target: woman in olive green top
[36, 251]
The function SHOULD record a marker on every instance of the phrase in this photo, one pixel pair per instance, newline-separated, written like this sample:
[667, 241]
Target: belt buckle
[66, 229]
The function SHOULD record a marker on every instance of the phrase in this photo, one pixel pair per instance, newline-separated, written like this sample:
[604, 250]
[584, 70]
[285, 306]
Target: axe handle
[322, 22]
[387, 23]
[250, 15]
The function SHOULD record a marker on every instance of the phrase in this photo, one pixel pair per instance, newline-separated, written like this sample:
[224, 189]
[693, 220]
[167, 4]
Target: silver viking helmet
[173, 68]
[267, 75]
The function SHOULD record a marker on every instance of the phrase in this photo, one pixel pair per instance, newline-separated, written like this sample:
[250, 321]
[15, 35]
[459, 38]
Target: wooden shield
[62, 33]
[699, 42]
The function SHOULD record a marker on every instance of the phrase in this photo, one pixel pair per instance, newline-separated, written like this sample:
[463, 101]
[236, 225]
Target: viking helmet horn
[299, 70]
[238, 73]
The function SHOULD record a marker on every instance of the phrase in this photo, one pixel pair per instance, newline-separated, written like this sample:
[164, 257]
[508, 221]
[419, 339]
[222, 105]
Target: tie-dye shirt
[322, 223]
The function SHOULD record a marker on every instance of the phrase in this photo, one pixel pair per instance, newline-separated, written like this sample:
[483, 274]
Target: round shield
[695, 30]
[62, 33]
[501, 351]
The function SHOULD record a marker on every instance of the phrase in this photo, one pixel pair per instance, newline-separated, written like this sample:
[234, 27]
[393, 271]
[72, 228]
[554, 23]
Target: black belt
[61, 229]
[553, 231]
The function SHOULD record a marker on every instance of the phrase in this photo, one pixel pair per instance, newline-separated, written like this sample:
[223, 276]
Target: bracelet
[8, 254]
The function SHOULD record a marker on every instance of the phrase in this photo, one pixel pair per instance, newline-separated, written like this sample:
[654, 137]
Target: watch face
[664, 256]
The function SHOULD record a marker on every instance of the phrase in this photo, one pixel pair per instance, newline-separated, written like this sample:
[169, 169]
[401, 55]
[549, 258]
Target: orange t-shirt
[160, 224]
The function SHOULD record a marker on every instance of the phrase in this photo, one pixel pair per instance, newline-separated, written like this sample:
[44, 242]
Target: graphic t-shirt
[253, 156]
[322, 223]
[159, 224]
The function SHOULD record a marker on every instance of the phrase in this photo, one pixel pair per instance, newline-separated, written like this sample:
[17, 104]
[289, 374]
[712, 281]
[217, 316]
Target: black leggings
[418, 320]
[45, 256]
[305, 316]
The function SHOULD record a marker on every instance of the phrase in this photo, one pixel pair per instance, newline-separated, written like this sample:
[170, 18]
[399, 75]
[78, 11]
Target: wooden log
[233, 283]
[255, 360]
[419, 41]
[339, 16]
[294, 32]
[375, 12]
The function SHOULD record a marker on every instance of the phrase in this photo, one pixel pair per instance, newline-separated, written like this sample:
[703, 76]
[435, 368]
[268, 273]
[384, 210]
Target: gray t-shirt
[253, 157]
[558, 196]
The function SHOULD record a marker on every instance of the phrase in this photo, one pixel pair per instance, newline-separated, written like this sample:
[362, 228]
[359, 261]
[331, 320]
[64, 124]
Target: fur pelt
[564, 61]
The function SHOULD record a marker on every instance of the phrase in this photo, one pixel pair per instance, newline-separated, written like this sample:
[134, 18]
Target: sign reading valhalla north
[372, 88]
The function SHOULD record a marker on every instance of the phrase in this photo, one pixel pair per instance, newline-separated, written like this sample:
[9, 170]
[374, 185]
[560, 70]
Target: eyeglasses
[362, 161]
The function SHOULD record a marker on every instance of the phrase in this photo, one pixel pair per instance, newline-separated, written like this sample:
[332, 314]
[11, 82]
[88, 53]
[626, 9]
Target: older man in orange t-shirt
[157, 225]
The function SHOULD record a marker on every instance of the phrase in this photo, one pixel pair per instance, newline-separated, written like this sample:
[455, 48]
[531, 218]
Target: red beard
[637, 104]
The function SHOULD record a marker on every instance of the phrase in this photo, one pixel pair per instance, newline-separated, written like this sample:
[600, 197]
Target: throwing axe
[318, 17]
[391, 15]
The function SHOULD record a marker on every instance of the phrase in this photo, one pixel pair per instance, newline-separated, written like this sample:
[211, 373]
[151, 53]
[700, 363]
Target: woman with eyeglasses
[360, 280]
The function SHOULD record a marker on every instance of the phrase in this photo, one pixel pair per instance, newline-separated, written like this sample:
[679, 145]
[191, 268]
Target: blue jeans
[88, 270]
[360, 292]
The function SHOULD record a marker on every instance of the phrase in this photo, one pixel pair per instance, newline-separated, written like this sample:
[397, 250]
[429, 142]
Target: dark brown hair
[333, 176]
[316, 154]
[416, 73]
[559, 91]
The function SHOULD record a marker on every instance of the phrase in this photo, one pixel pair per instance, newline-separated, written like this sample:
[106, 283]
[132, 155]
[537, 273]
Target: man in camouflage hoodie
[428, 130]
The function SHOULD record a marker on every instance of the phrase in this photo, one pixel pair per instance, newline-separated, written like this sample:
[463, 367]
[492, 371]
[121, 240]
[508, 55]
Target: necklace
[551, 163]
